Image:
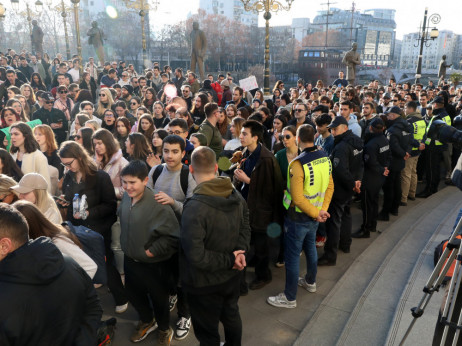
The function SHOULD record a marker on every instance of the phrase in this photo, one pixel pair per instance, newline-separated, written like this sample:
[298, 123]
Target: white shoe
[280, 301]
[120, 309]
[310, 288]
[182, 328]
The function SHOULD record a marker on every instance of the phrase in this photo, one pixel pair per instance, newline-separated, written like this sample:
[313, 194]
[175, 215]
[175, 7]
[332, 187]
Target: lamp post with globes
[66, 35]
[424, 37]
[38, 8]
[77, 32]
[267, 6]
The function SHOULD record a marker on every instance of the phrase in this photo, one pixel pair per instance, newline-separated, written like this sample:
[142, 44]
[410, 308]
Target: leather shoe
[424, 194]
[345, 249]
[394, 212]
[257, 284]
[403, 204]
[323, 261]
[361, 234]
[411, 198]
[383, 217]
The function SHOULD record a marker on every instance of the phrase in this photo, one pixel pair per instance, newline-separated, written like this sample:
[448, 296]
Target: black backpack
[184, 175]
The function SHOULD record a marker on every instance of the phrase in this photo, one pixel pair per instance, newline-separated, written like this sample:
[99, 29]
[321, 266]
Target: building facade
[232, 9]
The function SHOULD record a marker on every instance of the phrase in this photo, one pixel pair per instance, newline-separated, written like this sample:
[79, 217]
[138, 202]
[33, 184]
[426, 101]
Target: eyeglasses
[77, 137]
[69, 163]
[175, 132]
[65, 92]
[299, 110]
[49, 102]
[185, 91]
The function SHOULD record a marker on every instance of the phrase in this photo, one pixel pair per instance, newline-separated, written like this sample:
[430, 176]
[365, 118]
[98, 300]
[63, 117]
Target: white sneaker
[120, 309]
[280, 301]
[182, 328]
[310, 288]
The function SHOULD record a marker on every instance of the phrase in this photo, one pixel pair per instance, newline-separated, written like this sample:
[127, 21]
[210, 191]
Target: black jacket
[101, 199]
[377, 156]
[46, 299]
[399, 134]
[307, 121]
[364, 123]
[53, 117]
[347, 163]
[215, 222]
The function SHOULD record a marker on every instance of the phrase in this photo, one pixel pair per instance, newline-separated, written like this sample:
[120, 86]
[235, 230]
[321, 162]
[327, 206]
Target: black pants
[145, 282]
[338, 227]
[421, 165]
[114, 282]
[182, 304]
[260, 242]
[208, 310]
[434, 154]
[370, 203]
[392, 192]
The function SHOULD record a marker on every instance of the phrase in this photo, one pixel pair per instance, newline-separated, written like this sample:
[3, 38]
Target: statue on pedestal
[198, 49]
[36, 38]
[96, 38]
[442, 69]
[351, 59]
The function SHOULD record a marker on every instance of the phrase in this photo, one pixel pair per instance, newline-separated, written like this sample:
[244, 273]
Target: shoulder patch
[336, 161]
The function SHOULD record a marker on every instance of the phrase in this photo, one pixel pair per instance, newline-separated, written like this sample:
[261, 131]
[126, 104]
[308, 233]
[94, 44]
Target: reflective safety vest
[317, 169]
[446, 119]
[419, 131]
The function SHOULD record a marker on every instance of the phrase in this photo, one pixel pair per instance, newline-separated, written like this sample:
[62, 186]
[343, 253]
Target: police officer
[434, 150]
[309, 191]
[347, 173]
[409, 173]
[399, 134]
[377, 156]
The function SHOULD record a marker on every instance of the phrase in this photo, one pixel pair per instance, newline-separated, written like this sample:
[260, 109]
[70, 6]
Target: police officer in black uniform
[377, 156]
[347, 173]
[399, 134]
[434, 150]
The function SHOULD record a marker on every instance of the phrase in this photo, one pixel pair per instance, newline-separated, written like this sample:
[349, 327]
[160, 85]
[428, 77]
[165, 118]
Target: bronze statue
[442, 69]
[37, 38]
[96, 38]
[351, 59]
[198, 49]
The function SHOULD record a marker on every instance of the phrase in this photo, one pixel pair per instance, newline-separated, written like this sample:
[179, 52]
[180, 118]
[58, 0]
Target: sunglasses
[281, 137]
[65, 92]
[69, 163]
[395, 100]
[300, 110]
[49, 102]
[77, 137]
[102, 95]
[133, 103]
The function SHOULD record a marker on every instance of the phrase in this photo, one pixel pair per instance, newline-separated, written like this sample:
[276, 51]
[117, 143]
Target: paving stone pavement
[264, 324]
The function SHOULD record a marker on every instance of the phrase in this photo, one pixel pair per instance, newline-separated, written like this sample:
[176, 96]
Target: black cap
[48, 97]
[129, 88]
[438, 99]
[394, 109]
[338, 120]
[377, 123]
[386, 96]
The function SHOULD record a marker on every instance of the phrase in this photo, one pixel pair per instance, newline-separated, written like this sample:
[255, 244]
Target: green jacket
[148, 225]
[213, 135]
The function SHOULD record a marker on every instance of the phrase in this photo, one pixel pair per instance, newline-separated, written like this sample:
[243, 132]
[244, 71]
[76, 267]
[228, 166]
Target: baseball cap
[394, 109]
[225, 82]
[438, 99]
[48, 97]
[338, 120]
[30, 182]
[129, 88]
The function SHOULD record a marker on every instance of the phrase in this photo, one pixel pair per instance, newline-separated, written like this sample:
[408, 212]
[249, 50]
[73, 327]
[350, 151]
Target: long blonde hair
[110, 101]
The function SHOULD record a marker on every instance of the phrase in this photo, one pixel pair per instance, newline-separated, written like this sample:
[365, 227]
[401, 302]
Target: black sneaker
[361, 234]
[257, 284]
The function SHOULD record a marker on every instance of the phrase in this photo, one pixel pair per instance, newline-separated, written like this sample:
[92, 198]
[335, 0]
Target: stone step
[361, 307]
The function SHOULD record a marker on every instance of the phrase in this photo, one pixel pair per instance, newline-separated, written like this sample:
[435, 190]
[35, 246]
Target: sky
[408, 17]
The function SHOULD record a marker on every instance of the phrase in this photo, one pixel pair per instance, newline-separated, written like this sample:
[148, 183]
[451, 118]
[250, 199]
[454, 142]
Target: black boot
[362, 233]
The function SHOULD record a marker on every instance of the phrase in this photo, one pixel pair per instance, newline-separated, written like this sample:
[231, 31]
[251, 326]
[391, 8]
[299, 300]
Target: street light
[77, 31]
[142, 14]
[66, 36]
[266, 6]
[424, 37]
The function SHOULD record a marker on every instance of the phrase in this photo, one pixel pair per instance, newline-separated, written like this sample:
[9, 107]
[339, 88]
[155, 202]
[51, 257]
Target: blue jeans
[299, 236]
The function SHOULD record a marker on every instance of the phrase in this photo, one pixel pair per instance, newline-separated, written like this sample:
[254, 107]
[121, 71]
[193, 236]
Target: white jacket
[35, 162]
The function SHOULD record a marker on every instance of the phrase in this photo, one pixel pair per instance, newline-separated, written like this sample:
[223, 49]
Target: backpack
[93, 245]
[184, 175]
[439, 249]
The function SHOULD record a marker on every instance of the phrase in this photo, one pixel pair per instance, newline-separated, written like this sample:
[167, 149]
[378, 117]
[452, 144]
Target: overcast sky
[409, 14]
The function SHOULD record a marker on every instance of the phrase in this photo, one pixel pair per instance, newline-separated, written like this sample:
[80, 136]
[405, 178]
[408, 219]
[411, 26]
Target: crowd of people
[186, 181]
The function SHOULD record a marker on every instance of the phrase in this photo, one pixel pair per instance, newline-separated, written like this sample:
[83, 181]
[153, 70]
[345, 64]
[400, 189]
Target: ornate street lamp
[266, 6]
[66, 35]
[77, 32]
[424, 37]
